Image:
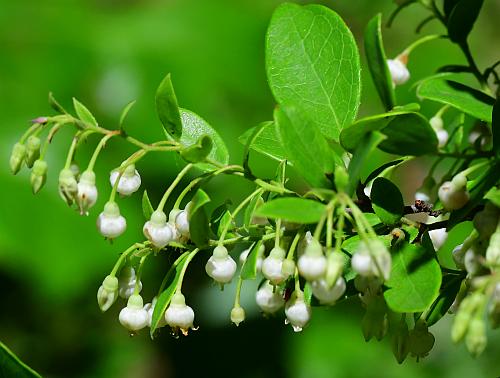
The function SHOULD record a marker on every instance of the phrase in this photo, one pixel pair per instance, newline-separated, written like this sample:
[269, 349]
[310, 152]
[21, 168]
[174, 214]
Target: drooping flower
[127, 282]
[328, 295]
[87, 192]
[220, 266]
[297, 312]
[130, 181]
[178, 315]
[398, 70]
[110, 222]
[272, 264]
[158, 231]
[454, 194]
[269, 299]
[312, 264]
[134, 317]
[107, 293]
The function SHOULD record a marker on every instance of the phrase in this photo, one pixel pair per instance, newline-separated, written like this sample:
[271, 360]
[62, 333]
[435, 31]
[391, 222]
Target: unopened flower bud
[127, 282]
[334, 267]
[297, 312]
[38, 175]
[110, 223]
[272, 264]
[87, 192]
[312, 264]
[328, 295]
[398, 70]
[269, 299]
[158, 231]
[237, 315]
[107, 293]
[178, 315]
[421, 340]
[134, 317]
[32, 150]
[130, 181]
[220, 266]
[475, 340]
[68, 186]
[17, 157]
[453, 194]
[288, 268]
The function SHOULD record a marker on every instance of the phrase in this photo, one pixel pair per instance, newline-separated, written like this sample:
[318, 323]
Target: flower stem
[172, 186]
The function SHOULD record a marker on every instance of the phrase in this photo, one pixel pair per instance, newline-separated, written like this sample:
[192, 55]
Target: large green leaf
[265, 140]
[387, 201]
[12, 366]
[377, 62]
[312, 62]
[409, 134]
[305, 146]
[292, 209]
[415, 280]
[169, 283]
[249, 268]
[168, 109]
[193, 128]
[198, 219]
[448, 293]
[460, 96]
[462, 18]
[351, 136]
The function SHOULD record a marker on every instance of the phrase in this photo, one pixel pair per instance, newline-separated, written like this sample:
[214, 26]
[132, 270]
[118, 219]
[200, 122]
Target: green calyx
[110, 283]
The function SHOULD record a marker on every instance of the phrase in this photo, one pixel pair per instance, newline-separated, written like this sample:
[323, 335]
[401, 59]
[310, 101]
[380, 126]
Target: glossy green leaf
[125, 112]
[55, 105]
[387, 201]
[478, 188]
[415, 280]
[250, 210]
[83, 113]
[147, 208]
[457, 95]
[12, 366]
[312, 63]
[352, 135]
[305, 146]
[377, 62]
[167, 108]
[194, 127]
[409, 134]
[266, 140]
[495, 127]
[199, 151]
[448, 293]
[363, 151]
[169, 283]
[249, 268]
[198, 220]
[292, 209]
[462, 18]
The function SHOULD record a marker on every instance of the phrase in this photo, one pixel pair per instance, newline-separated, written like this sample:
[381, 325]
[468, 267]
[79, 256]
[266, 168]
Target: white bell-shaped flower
[149, 307]
[220, 266]
[269, 299]
[107, 293]
[297, 312]
[110, 222]
[260, 253]
[372, 259]
[398, 70]
[437, 125]
[453, 194]
[134, 317]
[328, 295]
[127, 281]
[458, 255]
[182, 221]
[312, 264]
[272, 264]
[158, 231]
[178, 315]
[87, 192]
[130, 181]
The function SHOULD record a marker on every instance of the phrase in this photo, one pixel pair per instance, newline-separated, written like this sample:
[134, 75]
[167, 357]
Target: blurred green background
[107, 53]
